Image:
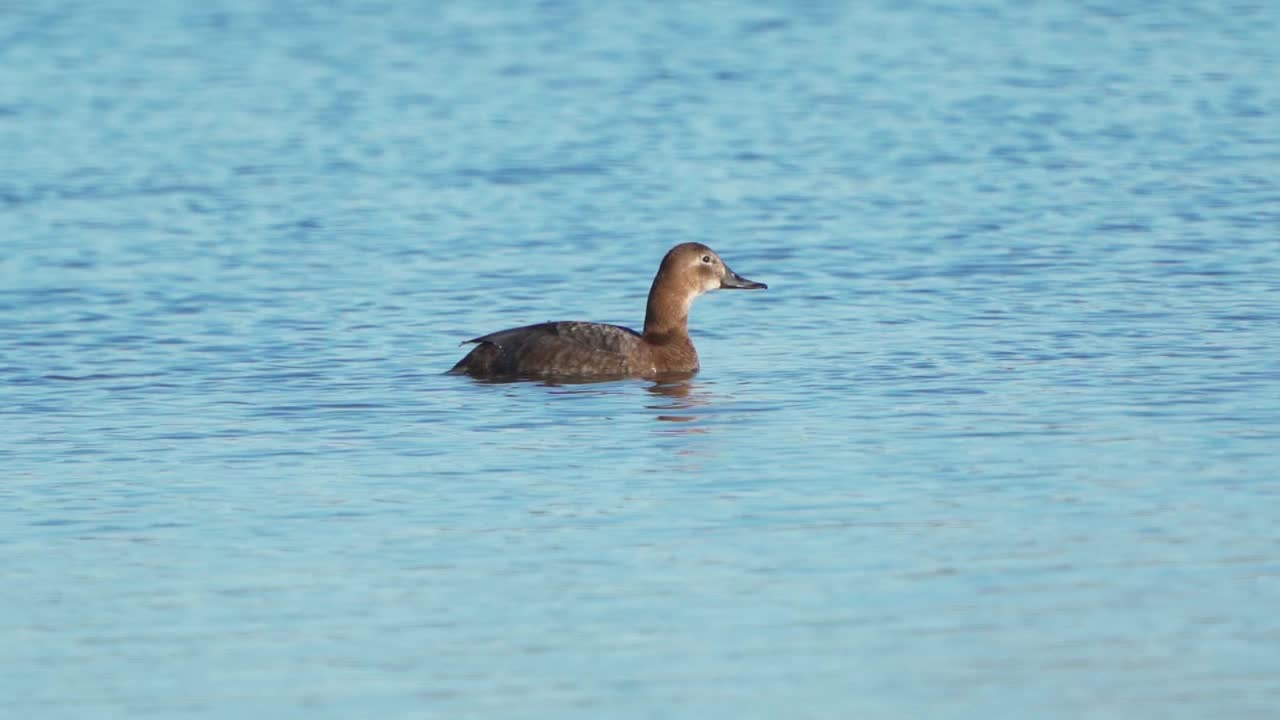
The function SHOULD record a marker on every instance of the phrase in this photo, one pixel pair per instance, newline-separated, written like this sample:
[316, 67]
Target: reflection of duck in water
[601, 351]
[678, 390]
[681, 398]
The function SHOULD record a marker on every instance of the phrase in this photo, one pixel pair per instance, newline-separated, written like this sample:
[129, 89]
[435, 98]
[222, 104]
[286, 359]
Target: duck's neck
[666, 318]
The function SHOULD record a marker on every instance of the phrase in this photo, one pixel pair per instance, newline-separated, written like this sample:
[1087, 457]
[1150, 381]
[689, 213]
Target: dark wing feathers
[596, 336]
[553, 348]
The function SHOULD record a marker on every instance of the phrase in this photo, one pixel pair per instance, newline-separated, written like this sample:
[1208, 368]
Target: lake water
[1002, 439]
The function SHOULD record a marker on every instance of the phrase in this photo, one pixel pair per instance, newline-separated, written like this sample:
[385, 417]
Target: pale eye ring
[706, 259]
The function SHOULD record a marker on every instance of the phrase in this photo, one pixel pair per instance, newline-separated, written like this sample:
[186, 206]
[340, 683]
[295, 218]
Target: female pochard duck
[596, 350]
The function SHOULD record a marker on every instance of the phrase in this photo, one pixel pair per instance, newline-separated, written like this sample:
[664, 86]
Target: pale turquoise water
[999, 441]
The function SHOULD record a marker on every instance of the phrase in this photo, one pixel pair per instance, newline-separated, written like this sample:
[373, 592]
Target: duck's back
[577, 349]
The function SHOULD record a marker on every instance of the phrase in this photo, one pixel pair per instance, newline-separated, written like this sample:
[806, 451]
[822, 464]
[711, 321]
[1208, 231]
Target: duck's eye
[706, 259]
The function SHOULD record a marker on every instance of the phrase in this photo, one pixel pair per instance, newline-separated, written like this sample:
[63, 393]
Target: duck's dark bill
[734, 281]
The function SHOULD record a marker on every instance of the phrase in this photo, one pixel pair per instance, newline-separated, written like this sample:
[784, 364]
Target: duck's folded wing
[594, 336]
[599, 336]
[510, 336]
[570, 348]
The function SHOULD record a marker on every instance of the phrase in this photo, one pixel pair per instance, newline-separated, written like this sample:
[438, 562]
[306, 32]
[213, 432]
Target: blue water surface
[1000, 441]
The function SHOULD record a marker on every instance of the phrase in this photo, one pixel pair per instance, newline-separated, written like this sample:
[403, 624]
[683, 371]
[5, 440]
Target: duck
[589, 350]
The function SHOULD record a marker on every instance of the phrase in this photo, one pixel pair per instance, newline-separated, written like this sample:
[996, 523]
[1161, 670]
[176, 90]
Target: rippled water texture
[1000, 440]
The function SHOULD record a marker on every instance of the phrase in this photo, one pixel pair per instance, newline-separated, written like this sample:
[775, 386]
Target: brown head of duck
[687, 271]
